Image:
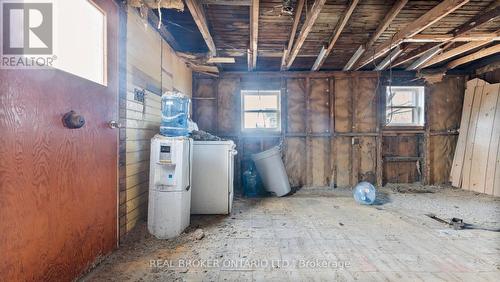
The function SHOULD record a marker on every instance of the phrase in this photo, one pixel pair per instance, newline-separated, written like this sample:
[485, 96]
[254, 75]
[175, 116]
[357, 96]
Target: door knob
[114, 124]
[73, 120]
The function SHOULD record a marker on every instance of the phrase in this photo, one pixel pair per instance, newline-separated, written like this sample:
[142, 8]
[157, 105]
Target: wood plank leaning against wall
[331, 130]
[148, 74]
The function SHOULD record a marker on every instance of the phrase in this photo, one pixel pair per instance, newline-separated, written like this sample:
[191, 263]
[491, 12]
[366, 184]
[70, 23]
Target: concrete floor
[321, 234]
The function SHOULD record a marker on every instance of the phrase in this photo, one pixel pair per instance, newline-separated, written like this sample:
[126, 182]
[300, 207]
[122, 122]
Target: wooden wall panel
[446, 101]
[343, 106]
[368, 159]
[400, 172]
[441, 156]
[318, 163]
[205, 104]
[296, 105]
[152, 72]
[342, 161]
[228, 106]
[313, 105]
[365, 118]
[445, 111]
[319, 108]
[295, 161]
[484, 130]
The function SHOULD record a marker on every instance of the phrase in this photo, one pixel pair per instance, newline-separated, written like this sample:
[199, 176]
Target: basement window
[260, 110]
[404, 106]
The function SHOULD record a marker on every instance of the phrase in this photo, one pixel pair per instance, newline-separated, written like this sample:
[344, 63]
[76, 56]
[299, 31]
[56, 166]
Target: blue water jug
[174, 114]
[364, 193]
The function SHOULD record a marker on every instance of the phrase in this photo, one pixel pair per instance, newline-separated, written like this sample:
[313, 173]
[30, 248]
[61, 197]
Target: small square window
[404, 106]
[260, 110]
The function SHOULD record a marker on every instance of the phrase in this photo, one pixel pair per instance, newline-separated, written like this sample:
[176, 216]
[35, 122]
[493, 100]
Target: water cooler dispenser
[169, 185]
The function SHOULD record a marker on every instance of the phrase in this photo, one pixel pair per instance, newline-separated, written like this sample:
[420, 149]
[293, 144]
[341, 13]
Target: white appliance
[169, 185]
[213, 175]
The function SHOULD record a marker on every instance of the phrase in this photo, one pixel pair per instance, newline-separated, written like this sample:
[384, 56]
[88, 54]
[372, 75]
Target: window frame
[258, 92]
[418, 106]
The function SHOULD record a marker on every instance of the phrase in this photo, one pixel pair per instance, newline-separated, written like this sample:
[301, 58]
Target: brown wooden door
[58, 186]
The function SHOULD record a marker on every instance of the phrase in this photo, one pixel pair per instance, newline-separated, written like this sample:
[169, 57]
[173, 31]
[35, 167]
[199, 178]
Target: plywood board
[205, 115]
[482, 138]
[295, 161]
[342, 161]
[368, 159]
[229, 106]
[343, 100]
[205, 88]
[319, 108]
[446, 101]
[296, 105]
[471, 134]
[366, 105]
[458, 159]
[318, 165]
[493, 163]
[441, 157]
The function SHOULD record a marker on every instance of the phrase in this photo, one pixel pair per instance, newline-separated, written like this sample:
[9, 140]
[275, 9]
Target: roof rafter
[336, 34]
[384, 24]
[455, 52]
[296, 20]
[254, 35]
[488, 14]
[474, 56]
[432, 16]
[200, 19]
[311, 17]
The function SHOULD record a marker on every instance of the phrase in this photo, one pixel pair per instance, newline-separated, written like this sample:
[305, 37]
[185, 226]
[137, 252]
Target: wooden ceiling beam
[455, 52]
[489, 14]
[432, 16]
[384, 24]
[415, 53]
[427, 56]
[296, 20]
[227, 2]
[341, 23]
[200, 19]
[474, 56]
[389, 17]
[387, 61]
[426, 38]
[254, 35]
[311, 17]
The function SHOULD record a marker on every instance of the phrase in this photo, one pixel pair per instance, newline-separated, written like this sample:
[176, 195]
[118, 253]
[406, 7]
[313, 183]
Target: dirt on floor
[394, 239]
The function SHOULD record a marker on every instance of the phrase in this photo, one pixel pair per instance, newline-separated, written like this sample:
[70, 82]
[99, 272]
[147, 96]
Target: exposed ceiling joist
[296, 20]
[311, 17]
[355, 57]
[254, 35]
[384, 24]
[428, 55]
[425, 38]
[260, 52]
[164, 32]
[435, 14]
[200, 19]
[474, 56]
[227, 2]
[415, 53]
[389, 17]
[483, 17]
[455, 52]
[387, 61]
[336, 34]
